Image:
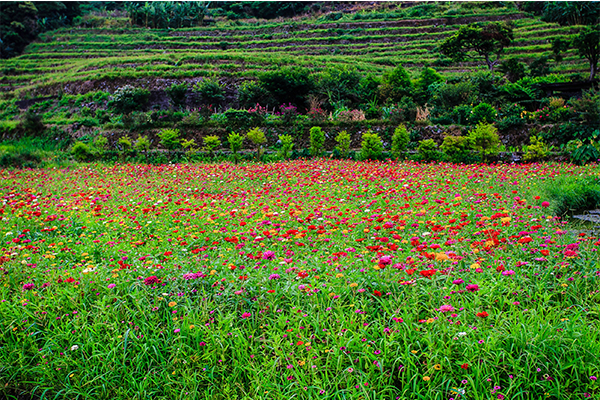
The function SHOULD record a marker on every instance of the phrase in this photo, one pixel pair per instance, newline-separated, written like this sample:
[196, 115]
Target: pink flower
[472, 288]
[28, 286]
[274, 276]
[385, 260]
[112, 285]
[458, 281]
[509, 272]
[268, 255]
[151, 280]
[446, 308]
[246, 315]
[177, 330]
[545, 204]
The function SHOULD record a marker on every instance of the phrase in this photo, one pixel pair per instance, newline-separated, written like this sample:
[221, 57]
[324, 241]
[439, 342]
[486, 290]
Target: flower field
[320, 279]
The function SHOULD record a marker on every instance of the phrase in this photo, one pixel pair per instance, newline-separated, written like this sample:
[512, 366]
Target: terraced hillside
[79, 60]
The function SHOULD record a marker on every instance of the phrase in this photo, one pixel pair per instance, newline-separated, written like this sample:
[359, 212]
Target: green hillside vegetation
[338, 64]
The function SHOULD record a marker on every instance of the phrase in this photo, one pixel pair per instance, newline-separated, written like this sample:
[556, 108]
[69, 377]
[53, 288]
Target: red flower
[428, 273]
[377, 293]
[482, 314]
[151, 280]
[465, 366]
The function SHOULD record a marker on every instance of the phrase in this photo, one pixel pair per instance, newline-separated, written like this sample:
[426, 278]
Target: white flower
[459, 334]
[74, 347]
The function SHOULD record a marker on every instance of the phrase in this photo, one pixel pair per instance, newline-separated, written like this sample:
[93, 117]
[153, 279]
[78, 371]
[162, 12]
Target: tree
[587, 44]
[488, 42]
[572, 12]
[396, 84]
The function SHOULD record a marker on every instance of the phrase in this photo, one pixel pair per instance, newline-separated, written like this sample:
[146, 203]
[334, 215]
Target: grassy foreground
[308, 279]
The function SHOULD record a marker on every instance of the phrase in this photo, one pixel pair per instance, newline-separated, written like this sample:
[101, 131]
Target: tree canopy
[486, 41]
[587, 43]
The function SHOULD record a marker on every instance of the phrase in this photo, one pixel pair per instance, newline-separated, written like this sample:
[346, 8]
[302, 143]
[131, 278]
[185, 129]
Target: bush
[462, 114]
[537, 149]
[169, 138]
[31, 124]
[100, 146]
[343, 141]
[142, 145]
[456, 147]
[396, 84]
[81, 151]
[251, 93]
[177, 94]
[258, 138]
[210, 91]
[11, 156]
[446, 96]
[125, 145]
[128, 98]
[339, 85]
[236, 142]
[317, 140]
[428, 150]
[287, 144]
[400, 140]
[483, 113]
[288, 85]
[513, 69]
[484, 139]
[211, 143]
[371, 147]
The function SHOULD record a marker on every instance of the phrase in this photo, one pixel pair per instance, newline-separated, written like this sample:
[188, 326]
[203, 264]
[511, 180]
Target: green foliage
[165, 14]
[446, 96]
[288, 85]
[537, 149]
[400, 140]
[190, 147]
[340, 85]
[177, 94]
[483, 113]
[486, 41]
[236, 142]
[81, 151]
[142, 145]
[513, 69]
[251, 93]
[211, 143]
[18, 157]
[559, 45]
[169, 138]
[456, 147]
[539, 67]
[428, 150]
[31, 124]
[572, 12]
[100, 145]
[287, 144]
[587, 44]
[258, 138]
[484, 139]
[396, 84]
[573, 193]
[343, 140]
[317, 140]
[371, 147]
[428, 77]
[210, 90]
[588, 107]
[128, 98]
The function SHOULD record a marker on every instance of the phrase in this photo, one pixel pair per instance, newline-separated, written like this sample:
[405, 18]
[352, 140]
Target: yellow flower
[192, 326]
[426, 378]
[339, 275]
[437, 367]
[353, 284]
[414, 351]
[172, 304]
[301, 363]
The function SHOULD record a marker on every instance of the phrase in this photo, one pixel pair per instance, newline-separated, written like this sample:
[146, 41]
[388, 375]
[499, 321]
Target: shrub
[124, 145]
[128, 98]
[289, 113]
[317, 140]
[251, 93]
[537, 149]
[400, 140]
[258, 138]
[396, 84]
[190, 147]
[343, 141]
[483, 113]
[371, 147]
[461, 114]
[428, 150]
[100, 145]
[81, 151]
[142, 145]
[169, 138]
[287, 143]
[236, 141]
[484, 139]
[31, 124]
[288, 85]
[211, 143]
[177, 94]
[513, 69]
[456, 147]
[11, 156]
[240, 118]
[446, 96]
[210, 91]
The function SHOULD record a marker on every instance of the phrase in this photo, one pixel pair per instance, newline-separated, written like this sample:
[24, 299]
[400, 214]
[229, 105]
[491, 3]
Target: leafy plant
[125, 146]
[169, 138]
[210, 90]
[484, 139]
[317, 140]
[428, 150]
[142, 145]
[211, 143]
[483, 113]
[343, 143]
[400, 140]
[287, 143]
[128, 98]
[236, 142]
[537, 149]
[456, 147]
[81, 151]
[371, 147]
[177, 94]
[258, 138]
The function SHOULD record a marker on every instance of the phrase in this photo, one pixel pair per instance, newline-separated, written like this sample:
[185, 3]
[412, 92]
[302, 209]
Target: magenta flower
[458, 281]
[472, 288]
[268, 255]
[246, 315]
[509, 272]
[446, 308]
[151, 280]
[385, 260]
[274, 276]
[28, 286]
[112, 285]
[177, 330]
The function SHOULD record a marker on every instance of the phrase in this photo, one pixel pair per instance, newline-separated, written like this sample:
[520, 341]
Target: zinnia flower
[268, 255]
[446, 308]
